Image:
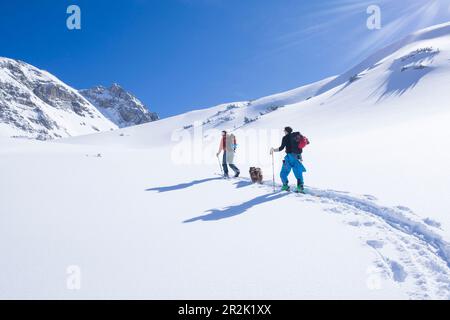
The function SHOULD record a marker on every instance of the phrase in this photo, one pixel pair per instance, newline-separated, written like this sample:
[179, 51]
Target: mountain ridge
[36, 104]
[119, 105]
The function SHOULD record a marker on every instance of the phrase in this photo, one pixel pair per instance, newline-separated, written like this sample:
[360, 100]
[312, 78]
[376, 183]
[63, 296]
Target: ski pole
[220, 165]
[273, 173]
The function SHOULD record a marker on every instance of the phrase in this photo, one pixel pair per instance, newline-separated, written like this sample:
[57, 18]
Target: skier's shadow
[182, 185]
[242, 184]
[231, 211]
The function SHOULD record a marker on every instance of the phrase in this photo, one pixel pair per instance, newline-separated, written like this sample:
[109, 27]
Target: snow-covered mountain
[405, 81]
[400, 76]
[374, 223]
[119, 106]
[35, 104]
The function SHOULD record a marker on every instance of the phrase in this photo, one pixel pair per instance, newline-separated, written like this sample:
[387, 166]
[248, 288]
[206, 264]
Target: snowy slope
[157, 230]
[119, 106]
[35, 104]
[383, 131]
[143, 214]
[229, 116]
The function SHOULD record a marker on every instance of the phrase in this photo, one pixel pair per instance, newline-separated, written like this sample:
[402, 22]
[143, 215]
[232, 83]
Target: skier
[228, 146]
[291, 160]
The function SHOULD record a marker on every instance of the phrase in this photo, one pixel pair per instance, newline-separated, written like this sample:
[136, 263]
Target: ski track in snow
[422, 257]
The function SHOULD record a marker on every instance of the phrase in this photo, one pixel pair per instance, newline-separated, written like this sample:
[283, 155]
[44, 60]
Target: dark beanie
[288, 129]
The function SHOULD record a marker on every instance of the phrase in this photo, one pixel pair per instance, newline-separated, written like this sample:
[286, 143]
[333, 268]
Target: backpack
[231, 142]
[298, 142]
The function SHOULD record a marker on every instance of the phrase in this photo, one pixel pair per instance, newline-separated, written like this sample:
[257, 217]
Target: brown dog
[256, 175]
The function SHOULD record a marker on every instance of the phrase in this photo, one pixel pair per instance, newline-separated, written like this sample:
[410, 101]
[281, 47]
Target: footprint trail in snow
[408, 250]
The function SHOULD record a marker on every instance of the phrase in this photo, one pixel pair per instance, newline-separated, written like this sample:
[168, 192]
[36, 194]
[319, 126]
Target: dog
[256, 175]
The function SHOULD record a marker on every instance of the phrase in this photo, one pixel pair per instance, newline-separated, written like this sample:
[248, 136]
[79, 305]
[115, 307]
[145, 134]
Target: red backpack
[303, 142]
[298, 142]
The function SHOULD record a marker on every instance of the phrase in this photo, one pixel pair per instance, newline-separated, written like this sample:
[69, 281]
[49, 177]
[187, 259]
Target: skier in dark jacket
[291, 162]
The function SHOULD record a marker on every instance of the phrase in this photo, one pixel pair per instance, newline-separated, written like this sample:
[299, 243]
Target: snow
[144, 214]
[130, 242]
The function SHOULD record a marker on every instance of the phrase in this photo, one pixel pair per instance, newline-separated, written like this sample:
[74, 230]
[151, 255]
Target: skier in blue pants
[291, 162]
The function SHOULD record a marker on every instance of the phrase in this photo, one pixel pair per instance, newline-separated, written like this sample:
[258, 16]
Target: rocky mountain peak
[119, 105]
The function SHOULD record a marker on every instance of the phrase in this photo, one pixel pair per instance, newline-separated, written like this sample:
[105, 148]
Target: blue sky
[176, 55]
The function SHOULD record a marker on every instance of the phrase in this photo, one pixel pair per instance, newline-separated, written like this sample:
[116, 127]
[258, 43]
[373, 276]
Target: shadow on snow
[231, 211]
[228, 212]
[182, 185]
